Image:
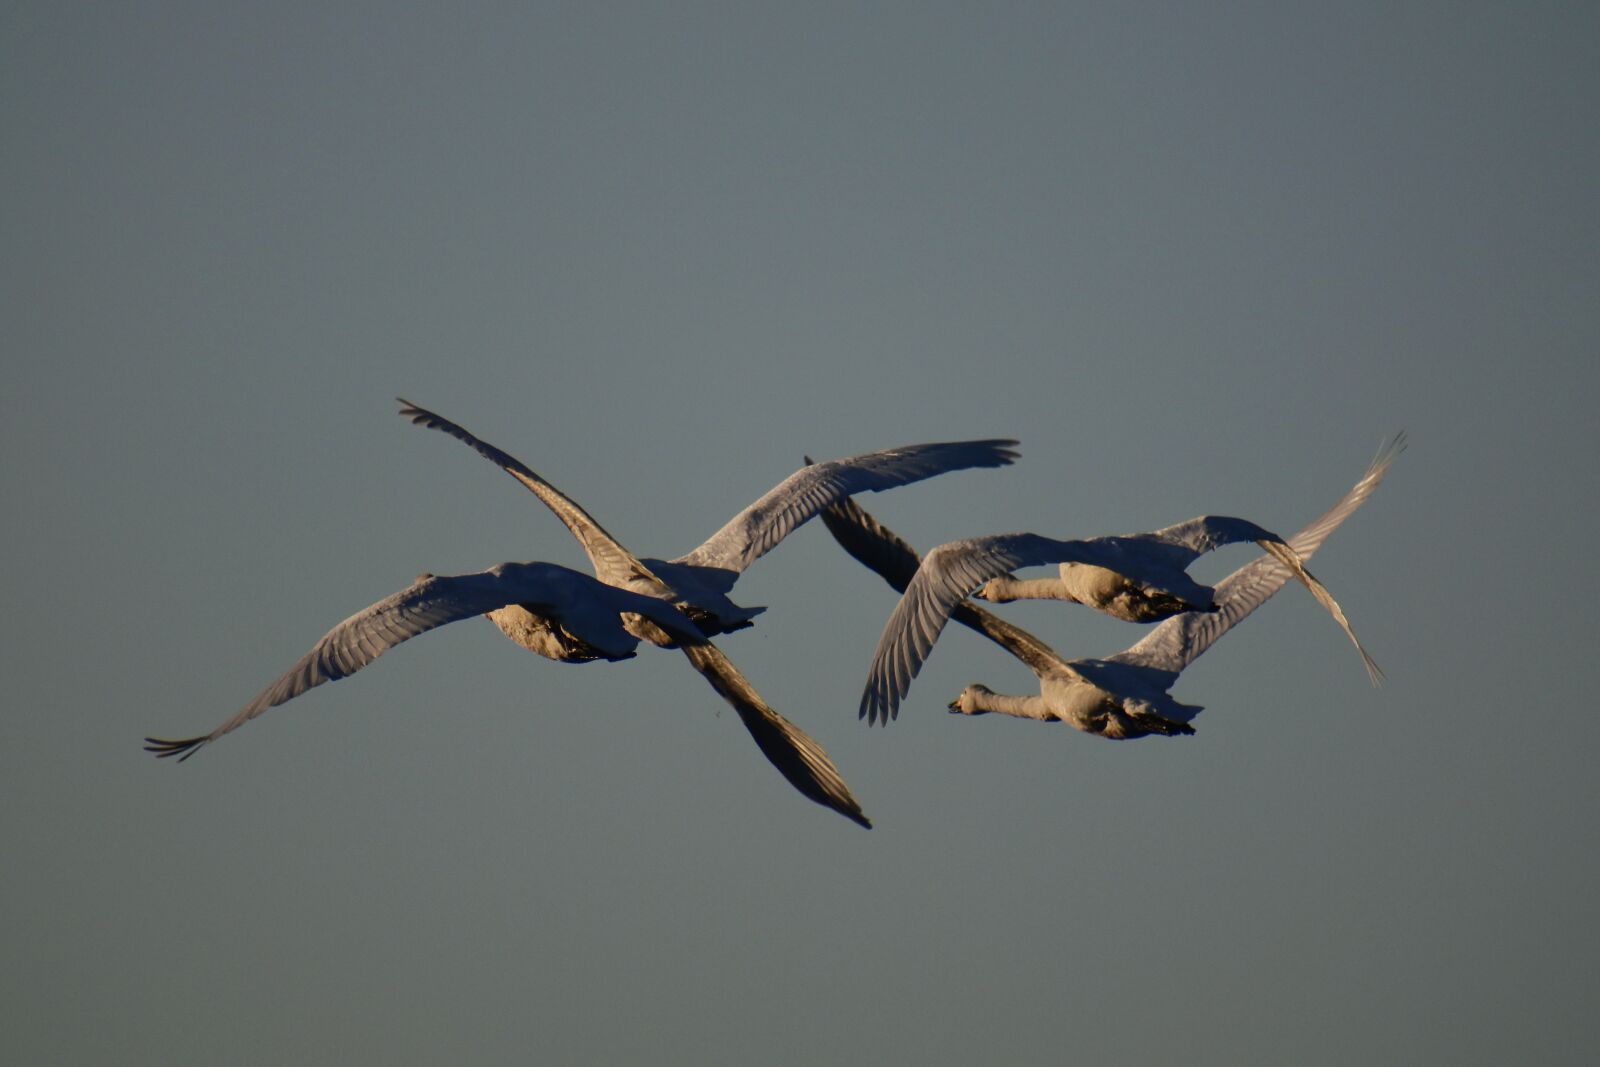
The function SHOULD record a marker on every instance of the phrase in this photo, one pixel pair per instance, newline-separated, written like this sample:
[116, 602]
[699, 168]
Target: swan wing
[428, 603]
[796, 756]
[1208, 532]
[754, 532]
[948, 574]
[1204, 533]
[1177, 642]
[882, 551]
[613, 564]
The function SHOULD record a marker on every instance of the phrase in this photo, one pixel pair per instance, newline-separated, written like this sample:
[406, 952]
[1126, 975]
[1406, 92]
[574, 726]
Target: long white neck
[983, 701]
[1003, 590]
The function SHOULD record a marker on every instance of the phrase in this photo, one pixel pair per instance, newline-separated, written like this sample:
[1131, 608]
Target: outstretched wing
[797, 757]
[613, 564]
[948, 574]
[1177, 642]
[882, 551]
[1204, 533]
[1208, 532]
[426, 604]
[754, 532]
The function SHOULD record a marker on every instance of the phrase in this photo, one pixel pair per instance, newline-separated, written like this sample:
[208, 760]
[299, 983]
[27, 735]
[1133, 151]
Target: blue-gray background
[1197, 260]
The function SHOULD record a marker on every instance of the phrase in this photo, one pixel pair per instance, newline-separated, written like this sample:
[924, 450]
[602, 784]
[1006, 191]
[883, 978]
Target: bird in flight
[1125, 695]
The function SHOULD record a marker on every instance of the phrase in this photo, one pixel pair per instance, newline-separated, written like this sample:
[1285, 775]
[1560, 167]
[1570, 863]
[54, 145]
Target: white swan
[583, 612]
[563, 615]
[1138, 577]
[583, 615]
[1153, 584]
[1125, 695]
[699, 581]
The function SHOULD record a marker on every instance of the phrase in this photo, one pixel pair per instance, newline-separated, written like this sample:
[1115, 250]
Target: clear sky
[1198, 258]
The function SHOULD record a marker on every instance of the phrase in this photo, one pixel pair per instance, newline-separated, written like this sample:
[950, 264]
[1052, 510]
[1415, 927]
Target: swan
[561, 614]
[1126, 695]
[1156, 585]
[581, 612]
[1136, 577]
[700, 580]
[584, 613]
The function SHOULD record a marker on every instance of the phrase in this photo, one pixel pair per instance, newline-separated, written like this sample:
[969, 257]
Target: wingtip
[1389, 450]
[874, 712]
[183, 749]
[1374, 672]
[991, 451]
[419, 416]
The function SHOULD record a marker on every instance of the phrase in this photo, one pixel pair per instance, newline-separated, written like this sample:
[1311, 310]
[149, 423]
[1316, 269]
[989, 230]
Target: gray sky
[1197, 261]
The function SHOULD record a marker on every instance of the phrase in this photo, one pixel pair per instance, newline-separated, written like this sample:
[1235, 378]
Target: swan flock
[683, 602]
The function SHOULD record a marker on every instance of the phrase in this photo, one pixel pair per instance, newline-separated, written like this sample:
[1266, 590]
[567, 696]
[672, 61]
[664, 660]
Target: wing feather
[796, 756]
[613, 564]
[1177, 642]
[882, 551]
[428, 603]
[947, 575]
[1208, 532]
[754, 532]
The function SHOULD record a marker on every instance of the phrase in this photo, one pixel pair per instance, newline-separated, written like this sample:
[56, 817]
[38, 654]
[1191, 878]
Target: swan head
[969, 700]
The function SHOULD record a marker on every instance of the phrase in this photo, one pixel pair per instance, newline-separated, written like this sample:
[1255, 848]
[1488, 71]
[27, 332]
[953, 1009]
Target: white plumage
[1123, 696]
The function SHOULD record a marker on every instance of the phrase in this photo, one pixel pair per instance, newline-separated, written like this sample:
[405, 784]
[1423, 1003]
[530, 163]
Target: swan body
[699, 580]
[1104, 590]
[1156, 585]
[1126, 695]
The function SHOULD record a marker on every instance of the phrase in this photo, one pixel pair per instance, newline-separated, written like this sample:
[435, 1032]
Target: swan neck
[1003, 589]
[1029, 707]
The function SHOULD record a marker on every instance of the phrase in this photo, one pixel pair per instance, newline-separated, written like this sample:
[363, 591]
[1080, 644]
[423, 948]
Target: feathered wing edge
[612, 562]
[429, 602]
[1204, 533]
[787, 747]
[1319, 592]
[883, 552]
[1177, 642]
[948, 574]
[759, 528]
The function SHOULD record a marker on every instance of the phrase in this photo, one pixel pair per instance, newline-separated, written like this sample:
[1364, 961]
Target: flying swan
[586, 612]
[561, 614]
[1125, 695]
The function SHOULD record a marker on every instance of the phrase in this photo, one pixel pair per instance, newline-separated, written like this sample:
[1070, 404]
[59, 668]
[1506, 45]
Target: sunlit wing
[428, 603]
[796, 756]
[1176, 642]
[948, 574]
[612, 563]
[758, 528]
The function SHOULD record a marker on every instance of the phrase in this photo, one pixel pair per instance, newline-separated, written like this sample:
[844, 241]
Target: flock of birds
[682, 603]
